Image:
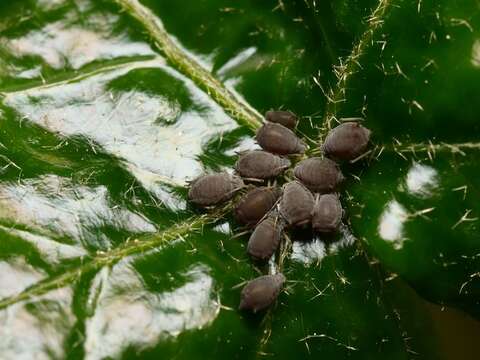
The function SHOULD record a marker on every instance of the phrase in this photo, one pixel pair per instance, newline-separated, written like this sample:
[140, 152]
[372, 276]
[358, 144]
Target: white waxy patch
[421, 180]
[392, 222]
[308, 253]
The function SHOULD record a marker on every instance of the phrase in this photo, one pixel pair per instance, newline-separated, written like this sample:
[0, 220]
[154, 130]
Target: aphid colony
[269, 210]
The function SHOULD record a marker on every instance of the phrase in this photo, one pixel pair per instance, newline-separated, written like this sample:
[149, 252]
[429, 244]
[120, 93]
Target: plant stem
[347, 67]
[186, 64]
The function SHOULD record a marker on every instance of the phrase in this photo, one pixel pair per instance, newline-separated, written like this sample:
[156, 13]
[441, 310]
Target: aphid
[261, 292]
[347, 141]
[327, 213]
[285, 118]
[258, 164]
[278, 139]
[265, 239]
[211, 189]
[253, 206]
[297, 203]
[319, 175]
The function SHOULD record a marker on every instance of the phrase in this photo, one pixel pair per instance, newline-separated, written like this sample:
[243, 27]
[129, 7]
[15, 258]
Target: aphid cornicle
[319, 175]
[285, 118]
[265, 238]
[257, 202]
[211, 189]
[278, 139]
[327, 213]
[258, 164]
[347, 141]
[261, 292]
[296, 205]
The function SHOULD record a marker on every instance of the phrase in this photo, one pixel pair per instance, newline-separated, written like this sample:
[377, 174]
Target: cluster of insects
[308, 200]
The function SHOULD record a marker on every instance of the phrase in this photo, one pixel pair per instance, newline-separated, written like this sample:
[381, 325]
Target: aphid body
[211, 189]
[327, 213]
[265, 238]
[278, 139]
[258, 164]
[347, 141]
[285, 118]
[255, 204]
[261, 292]
[319, 175]
[297, 204]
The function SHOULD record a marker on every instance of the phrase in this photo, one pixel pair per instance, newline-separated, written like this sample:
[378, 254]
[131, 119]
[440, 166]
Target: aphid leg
[260, 181]
[284, 250]
[360, 157]
[271, 211]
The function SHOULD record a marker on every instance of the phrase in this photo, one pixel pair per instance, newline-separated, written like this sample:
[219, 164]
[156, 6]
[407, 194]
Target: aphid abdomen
[327, 214]
[278, 139]
[285, 118]
[261, 292]
[255, 204]
[347, 141]
[265, 239]
[211, 189]
[297, 203]
[258, 164]
[319, 175]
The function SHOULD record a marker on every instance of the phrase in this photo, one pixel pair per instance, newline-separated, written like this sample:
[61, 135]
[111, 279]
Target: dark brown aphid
[261, 292]
[278, 139]
[297, 204]
[253, 206]
[319, 175]
[258, 164]
[265, 239]
[347, 141]
[327, 214]
[285, 118]
[211, 189]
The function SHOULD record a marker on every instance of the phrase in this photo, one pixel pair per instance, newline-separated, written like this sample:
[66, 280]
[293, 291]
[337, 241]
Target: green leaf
[108, 108]
[417, 207]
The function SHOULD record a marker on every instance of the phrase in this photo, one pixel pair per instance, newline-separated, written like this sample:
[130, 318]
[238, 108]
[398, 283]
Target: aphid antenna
[245, 232]
[241, 152]
[273, 211]
[259, 272]
[224, 307]
[239, 285]
[305, 136]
